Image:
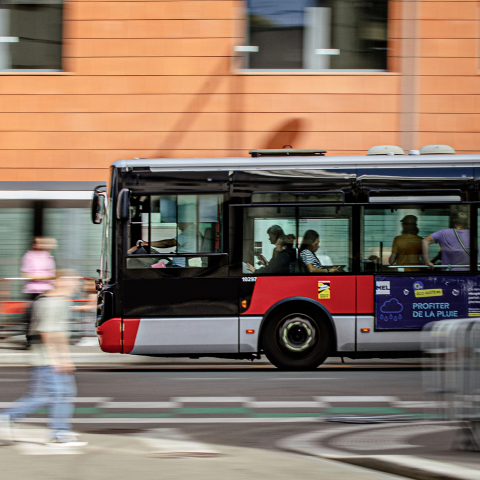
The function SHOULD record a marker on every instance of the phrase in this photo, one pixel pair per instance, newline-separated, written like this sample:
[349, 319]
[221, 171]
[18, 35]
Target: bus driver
[185, 241]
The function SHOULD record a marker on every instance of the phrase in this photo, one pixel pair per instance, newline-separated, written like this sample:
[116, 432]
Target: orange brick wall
[154, 79]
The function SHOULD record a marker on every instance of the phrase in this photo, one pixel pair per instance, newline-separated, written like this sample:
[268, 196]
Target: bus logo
[418, 285]
[383, 287]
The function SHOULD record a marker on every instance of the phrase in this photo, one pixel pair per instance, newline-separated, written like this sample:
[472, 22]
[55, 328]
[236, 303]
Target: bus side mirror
[123, 204]
[98, 205]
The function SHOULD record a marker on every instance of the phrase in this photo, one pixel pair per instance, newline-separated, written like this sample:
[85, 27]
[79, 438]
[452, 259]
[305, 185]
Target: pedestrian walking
[52, 383]
[38, 266]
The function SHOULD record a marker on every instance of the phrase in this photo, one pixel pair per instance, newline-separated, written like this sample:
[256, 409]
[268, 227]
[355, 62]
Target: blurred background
[86, 83]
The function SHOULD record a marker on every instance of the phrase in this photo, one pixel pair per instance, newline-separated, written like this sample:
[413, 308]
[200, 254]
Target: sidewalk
[13, 354]
[161, 455]
[419, 450]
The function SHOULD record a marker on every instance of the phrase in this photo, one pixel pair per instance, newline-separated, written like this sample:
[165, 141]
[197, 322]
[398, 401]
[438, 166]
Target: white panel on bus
[186, 336]
[383, 341]
[345, 328]
[248, 342]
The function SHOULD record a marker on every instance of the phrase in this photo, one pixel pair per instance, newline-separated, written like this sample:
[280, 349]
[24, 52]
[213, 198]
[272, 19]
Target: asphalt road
[252, 406]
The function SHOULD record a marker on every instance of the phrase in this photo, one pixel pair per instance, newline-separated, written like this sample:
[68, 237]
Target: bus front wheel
[296, 340]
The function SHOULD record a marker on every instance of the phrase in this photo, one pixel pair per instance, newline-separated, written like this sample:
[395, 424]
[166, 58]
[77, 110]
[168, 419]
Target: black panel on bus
[176, 181]
[245, 183]
[437, 181]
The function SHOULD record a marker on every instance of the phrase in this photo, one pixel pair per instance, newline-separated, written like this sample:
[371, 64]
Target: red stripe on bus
[110, 335]
[130, 329]
[270, 290]
[365, 294]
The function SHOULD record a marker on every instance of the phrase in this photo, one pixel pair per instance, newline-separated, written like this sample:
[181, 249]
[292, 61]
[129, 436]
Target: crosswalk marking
[182, 420]
[211, 399]
[185, 410]
[158, 405]
[356, 399]
[280, 404]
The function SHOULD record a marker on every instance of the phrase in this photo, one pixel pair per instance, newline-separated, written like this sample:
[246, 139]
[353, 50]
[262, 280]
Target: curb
[405, 465]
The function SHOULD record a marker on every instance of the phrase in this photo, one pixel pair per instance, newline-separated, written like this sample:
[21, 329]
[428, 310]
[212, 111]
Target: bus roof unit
[437, 150]
[385, 150]
[289, 152]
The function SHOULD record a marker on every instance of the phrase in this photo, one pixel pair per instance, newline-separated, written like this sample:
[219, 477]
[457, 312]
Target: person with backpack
[52, 383]
[454, 242]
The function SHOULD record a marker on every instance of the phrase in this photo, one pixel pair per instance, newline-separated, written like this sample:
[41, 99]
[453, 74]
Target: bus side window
[392, 238]
[324, 238]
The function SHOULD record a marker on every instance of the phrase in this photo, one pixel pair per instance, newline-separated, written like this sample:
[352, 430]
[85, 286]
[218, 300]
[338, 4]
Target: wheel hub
[297, 334]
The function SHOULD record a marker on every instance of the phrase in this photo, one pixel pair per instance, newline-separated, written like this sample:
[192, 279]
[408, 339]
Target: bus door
[177, 295]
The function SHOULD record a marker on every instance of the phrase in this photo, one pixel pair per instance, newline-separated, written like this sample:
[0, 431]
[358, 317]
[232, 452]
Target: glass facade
[79, 240]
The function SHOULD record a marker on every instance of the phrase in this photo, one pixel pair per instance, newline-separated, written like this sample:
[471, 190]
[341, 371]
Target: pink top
[38, 262]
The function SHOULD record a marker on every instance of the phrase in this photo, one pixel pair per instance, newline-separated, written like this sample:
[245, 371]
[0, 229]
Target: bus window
[269, 232]
[273, 238]
[333, 227]
[392, 238]
[170, 228]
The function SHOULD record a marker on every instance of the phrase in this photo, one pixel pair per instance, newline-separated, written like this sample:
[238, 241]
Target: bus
[289, 254]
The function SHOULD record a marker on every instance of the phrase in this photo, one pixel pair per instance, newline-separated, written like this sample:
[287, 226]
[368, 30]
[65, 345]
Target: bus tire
[296, 339]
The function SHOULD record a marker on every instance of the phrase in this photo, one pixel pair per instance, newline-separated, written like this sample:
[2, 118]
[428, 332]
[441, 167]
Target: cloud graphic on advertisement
[391, 306]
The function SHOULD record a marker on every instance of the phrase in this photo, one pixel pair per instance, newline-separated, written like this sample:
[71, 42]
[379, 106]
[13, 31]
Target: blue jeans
[50, 389]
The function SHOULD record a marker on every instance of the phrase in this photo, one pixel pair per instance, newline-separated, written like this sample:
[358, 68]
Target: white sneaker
[66, 440]
[6, 434]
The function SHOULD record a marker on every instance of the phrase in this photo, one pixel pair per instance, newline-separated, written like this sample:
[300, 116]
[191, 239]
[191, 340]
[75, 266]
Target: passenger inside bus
[407, 247]
[274, 232]
[283, 258]
[310, 244]
[454, 242]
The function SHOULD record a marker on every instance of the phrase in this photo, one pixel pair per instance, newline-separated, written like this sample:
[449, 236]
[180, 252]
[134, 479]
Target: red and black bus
[194, 257]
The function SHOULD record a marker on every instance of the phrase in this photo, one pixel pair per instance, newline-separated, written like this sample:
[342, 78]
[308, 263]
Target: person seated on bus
[407, 247]
[185, 242]
[273, 233]
[283, 260]
[454, 242]
[310, 244]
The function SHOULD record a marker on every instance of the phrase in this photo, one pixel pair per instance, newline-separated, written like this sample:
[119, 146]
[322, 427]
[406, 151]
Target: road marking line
[37, 449]
[304, 378]
[284, 404]
[140, 405]
[168, 447]
[186, 420]
[92, 399]
[211, 399]
[356, 399]
[419, 404]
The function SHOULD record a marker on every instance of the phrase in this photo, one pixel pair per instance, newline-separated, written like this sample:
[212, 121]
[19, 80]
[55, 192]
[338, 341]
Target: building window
[31, 34]
[316, 34]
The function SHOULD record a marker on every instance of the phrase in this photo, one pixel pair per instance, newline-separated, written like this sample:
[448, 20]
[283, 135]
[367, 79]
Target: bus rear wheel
[296, 340]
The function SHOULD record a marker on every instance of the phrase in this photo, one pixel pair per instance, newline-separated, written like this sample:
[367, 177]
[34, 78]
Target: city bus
[290, 254]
